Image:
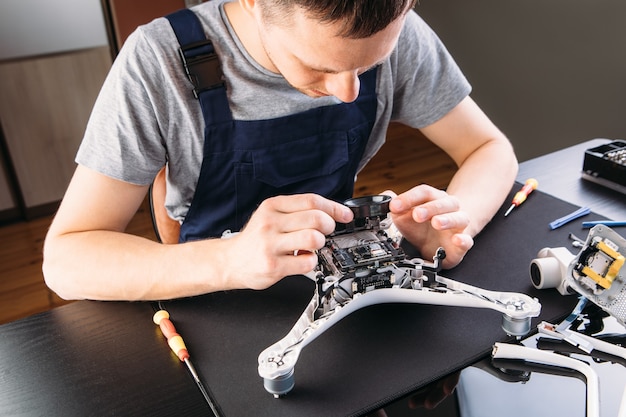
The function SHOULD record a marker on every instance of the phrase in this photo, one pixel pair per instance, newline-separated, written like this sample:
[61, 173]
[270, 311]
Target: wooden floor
[399, 165]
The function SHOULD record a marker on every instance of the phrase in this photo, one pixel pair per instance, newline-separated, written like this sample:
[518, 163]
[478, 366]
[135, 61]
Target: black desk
[102, 358]
[92, 358]
[558, 174]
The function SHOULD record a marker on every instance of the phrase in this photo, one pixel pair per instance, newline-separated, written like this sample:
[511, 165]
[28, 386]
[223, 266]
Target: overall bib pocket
[315, 164]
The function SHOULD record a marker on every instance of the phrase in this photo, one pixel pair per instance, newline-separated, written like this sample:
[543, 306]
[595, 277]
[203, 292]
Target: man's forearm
[108, 265]
[483, 181]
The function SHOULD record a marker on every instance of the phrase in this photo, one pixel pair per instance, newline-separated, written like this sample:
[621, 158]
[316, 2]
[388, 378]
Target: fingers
[389, 193]
[457, 220]
[300, 222]
[299, 262]
[309, 219]
[426, 203]
[415, 197]
[307, 202]
[430, 218]
[299, 242]
[463, 241]
[283, 234]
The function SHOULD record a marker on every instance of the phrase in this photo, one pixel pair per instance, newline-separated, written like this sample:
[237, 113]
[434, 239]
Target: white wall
[39, 27]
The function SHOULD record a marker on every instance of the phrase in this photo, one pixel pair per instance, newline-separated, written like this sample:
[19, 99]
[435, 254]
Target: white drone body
[362, 265]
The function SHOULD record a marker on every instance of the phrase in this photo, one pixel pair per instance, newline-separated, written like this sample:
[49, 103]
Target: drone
[363, 264]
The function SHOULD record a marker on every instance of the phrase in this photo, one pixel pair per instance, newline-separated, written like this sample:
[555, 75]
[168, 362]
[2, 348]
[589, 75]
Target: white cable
[508, 351]
[603, 346]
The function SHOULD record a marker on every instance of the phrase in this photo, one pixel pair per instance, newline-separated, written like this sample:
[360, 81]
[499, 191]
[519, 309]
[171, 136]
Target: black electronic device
[606, 165]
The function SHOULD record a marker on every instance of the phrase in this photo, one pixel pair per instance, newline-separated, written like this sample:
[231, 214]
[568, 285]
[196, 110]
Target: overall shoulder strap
[201, 64]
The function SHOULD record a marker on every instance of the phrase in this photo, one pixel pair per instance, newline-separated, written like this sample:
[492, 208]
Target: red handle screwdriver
[530, 185]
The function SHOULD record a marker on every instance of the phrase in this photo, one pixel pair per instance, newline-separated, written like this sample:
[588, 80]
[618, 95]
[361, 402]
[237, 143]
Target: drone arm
[278, 360]
[505, 302]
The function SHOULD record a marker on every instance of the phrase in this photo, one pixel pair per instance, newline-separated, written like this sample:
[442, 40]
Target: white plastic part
[508, 351]
[603, 346]
[549, 268]
[573, 338]
[582, 341]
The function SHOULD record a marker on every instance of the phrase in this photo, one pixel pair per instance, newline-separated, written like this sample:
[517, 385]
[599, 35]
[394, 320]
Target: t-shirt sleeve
[124, 134]
[428, 82]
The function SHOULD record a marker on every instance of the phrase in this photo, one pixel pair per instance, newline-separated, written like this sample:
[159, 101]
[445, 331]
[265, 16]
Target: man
[310, 87]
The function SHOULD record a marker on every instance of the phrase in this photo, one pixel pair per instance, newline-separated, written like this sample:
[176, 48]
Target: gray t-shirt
[146, 114]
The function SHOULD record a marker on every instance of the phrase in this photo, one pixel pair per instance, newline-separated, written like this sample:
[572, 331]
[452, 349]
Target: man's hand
[281, 237]
[430, 218]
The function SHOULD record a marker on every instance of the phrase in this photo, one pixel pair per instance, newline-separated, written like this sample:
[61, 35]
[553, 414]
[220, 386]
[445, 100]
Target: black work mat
[382, 352]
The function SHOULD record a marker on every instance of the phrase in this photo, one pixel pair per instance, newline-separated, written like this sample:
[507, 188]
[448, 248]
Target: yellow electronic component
[599, 279]
[618, 260]
[603, 265]
[616, 266]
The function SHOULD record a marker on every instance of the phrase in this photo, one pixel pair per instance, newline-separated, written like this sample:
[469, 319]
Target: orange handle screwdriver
[529, 186]
[162, 319]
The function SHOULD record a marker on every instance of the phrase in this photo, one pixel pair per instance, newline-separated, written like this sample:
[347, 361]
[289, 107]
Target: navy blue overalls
[245, 162]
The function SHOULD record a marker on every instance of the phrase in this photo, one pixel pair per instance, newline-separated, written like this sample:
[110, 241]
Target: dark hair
[362, 18]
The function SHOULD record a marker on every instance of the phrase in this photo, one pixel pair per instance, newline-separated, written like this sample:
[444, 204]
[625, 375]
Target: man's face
[318, 62]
